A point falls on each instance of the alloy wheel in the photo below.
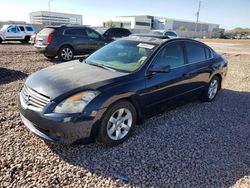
(213, 89)
(119, 124)
(67, 54)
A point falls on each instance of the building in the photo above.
(55, 18)
(159, 23)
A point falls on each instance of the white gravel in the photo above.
(195, 145)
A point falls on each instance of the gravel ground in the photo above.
(195, 145)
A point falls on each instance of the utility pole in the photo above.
(49, 1)
(197, 16)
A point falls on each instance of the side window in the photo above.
(29, 28)
(75, 32)
(92, 34)
(21, 28)
(171, 54)
(13, 29)
(208, 53)
(195, 52)
(109, 33)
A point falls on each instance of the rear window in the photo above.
(195, 52)
(28, 28)
(47, 31)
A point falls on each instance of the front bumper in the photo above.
(62, 128)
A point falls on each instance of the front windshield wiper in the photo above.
(102, 66)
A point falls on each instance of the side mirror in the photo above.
(164, 69)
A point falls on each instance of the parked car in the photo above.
(115, 33)
(104, 96)
(33, 39)
(170, 34)
(68, 41)
(16, 32)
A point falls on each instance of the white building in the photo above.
(131, 22)
(159, 23)
(55, 18)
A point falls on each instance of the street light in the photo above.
(49, 1)
(197, 16)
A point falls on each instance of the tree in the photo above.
(110, 24)
(182, 28)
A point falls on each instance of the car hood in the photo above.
(69, 78)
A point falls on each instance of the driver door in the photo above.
(163, 87)
(13, 32)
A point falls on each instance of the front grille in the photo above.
(32, 99)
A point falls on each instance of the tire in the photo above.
(211, 90)
(26, 40)
(1, 40)
(117, 124)
(66, 53)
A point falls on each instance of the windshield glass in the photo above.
(122, 55)
(4, 27)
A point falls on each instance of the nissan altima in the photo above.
(104, 96)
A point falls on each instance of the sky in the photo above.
(228, 13)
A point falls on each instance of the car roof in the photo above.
(158, 39)
(149, 38)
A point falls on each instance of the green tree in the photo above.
(182, 28)
(110, 24)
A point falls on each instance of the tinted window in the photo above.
(109, 33)
(92, 34)
(171, 55)
(21, 28)
(28, 28)
(172, 34)
(195, 52)
(208, 53)
(75, 32)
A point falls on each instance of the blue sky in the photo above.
(228, 13)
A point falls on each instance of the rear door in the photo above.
(199, 58)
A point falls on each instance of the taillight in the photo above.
(49, 39)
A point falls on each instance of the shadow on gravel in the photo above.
(8, 75)
(195, 145)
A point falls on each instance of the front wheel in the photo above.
(117, 123)
(211, 90)
(66, 53)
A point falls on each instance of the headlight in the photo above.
(76, 103)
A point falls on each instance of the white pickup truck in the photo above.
(16, 32)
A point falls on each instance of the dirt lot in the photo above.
(195, 145)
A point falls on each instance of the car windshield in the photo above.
(122, 55)
(4, 27)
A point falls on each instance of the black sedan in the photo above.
(103, 97)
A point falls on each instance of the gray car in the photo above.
(65, 42)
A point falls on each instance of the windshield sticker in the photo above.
(144, 45)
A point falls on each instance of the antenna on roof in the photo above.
(197, 15)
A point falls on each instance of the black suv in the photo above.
(65, 41)
(114, 33)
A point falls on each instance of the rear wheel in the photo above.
(1, 40)
(211, 90)
(66, 53)
(117, 123)
(26, 40)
